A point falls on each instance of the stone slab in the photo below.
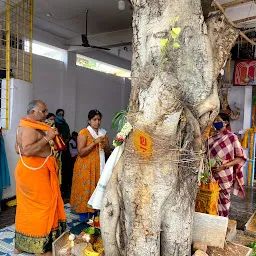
(200, 253)
(199, 246)
(210, 229)
(230, 249)
(231, 232)
(242, 238)
(250, 226)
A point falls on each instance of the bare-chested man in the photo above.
(40, 216)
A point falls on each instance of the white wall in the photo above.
(242, 95)
(48, 81)
(97, 90)
(21, 93)
(237, 94)
(48, 38)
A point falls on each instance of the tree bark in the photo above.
(149, 203)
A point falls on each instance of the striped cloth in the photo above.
(226, 146)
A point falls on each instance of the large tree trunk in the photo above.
(149, 203)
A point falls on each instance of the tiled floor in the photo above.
(7, 233)
(241, 211)
(7, 216)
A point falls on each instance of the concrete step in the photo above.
(242, 238)
(250, 226)
(209, 229)
(230, 249)
(231, 232)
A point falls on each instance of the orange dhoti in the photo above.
(40, 215)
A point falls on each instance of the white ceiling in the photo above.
(106, 24)
(241, 11)
(68, 17)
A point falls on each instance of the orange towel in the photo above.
(40, 215)
(59, 144)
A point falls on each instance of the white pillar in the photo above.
(21, 93)
(68, 94)
(247, 108)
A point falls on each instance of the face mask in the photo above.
(218, 125)
(60, 115)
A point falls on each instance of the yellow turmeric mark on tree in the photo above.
(142, 143)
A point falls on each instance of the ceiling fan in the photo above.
(85, 42)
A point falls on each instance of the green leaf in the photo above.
(176, 18)
(117, 118)
(165, 59)
(163, 42)
(121, 124)
(90, 230)
(176, 45)
(175, 32)
(211, 162)
(162, 50)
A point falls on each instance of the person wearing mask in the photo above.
(66, 168)
(62, 125)
(92, 144)
(225, 145)
(73, 152)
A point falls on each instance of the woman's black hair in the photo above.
(224, 117)
(74, 134)
(50, 115)
(59, 110)
(93, 113)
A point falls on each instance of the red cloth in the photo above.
(244, 73)
(226, 146)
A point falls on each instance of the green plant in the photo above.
(92, 231)
(206, 177)
(214, 163)
(173, 38)
(254, 100)
(119, 119)
(253, 246)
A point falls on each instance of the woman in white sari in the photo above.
(92, 144)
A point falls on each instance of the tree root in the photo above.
(110, 214)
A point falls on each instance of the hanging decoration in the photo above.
(245, 72)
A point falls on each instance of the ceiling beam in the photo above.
(244, 20)
(231, 4)
(239, 41)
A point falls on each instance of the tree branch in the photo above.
(192, 121)
(222, 36)
(233, 24)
